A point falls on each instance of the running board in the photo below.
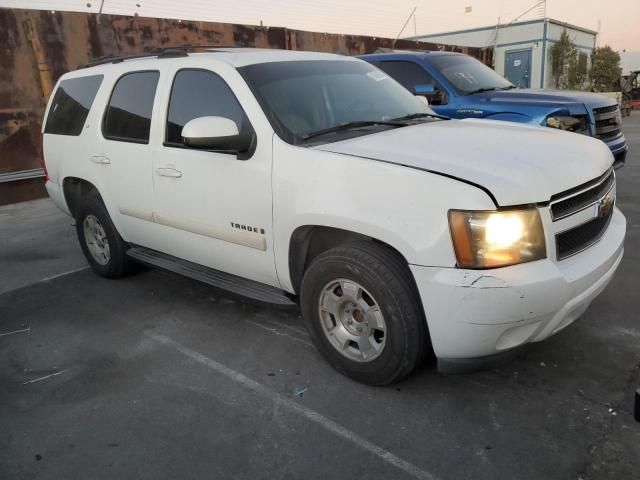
(225, 281)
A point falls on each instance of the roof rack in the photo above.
(167, 52)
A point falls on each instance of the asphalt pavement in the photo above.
(157, 376)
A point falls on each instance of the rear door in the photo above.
(124, 156)
(213, 208)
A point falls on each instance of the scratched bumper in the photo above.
(478, 313)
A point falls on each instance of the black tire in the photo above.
(383, 273)
(118, 265)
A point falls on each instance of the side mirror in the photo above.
(427, 89)
(215, 133)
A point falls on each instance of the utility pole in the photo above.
(495, 40)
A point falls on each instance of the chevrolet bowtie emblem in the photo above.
(605, 205)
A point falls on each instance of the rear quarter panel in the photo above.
(68, 155)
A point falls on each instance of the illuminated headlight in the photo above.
(492, 239)
(578, 124)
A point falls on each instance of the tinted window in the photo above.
(71, 105)
(128, 115)
(199, 93)
(409, 74)
(304, 97)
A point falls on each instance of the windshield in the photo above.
(468, 75)
(302, 98)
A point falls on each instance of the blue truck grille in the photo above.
(608, 122)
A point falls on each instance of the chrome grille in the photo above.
(608, 121)
(592, 205)
(577, 239)
(579, 198)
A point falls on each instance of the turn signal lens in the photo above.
(496, 239)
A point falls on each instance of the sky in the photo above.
(617, 20)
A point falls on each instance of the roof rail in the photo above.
(401, 50)
(166, 52)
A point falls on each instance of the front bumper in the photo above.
(474, 314)
(618, 147)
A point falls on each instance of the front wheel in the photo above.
(362, 311)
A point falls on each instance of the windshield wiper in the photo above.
(483, 89)
(411, 116)
(349, 126)
(490, 89)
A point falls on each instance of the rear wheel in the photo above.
(362, 312)
(101, 243)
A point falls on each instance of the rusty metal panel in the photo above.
(38, 46)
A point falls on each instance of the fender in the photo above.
(405, 208)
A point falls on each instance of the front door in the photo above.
(517, 67)
(213, 208)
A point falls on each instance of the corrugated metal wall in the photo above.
(36, 47)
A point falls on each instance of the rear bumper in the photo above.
(475, 314)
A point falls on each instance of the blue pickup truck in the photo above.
(460, 86)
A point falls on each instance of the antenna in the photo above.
(404, 26)
(543, 2)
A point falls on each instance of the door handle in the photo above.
(169, 172)
(100, 160)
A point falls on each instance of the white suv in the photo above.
(289, 176)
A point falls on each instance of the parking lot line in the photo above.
(69, 272)
(275, 331)
(301, 410)
(14, 332)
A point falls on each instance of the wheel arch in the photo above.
(74, 188)
(309, 241)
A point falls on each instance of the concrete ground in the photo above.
(157, 376)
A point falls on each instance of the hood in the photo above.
(518, 164)
(549, 98)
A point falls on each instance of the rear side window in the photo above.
(71, 104)
(408, 74)
(200, 93)
(128, 115)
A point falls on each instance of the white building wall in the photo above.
(486, 37)
(581, 39)
(480, 38)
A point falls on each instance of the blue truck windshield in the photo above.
(467, 75)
